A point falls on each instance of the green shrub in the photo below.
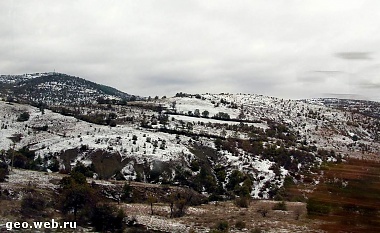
(315, 207)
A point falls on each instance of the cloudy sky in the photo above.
(282, 48)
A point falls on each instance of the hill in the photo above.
(223, 146)
(57, 89)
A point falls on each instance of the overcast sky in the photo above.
(287, 49)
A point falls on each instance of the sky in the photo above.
(283, 48)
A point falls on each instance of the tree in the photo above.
(173, 105)
(10, 99)
(105, 218)
(241, 115)
(197, 113)
(4, 170)
(81, 168)
(222, 116)
(179, 202)
(205, 113)
(76, 195)
(54, 165)
(126, 192)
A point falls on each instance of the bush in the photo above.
(256, 230)
(221, 226)
(242, 202)
(105, 218)
(280, 206)
(32, 205)
(240, 224)
(315, 207)
(23, 116)
(81, 168)
(263, 210)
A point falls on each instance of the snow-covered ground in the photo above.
(314, 124)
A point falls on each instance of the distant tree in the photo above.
(241, 115)
(205, 113)
(222, 116)
(164, 119)
(10, 99)
(123, 102)
(174, 105)
(112, 123)
(101, 100)
(197, 113)
(126, 192)
(132, 98)
(54, 165)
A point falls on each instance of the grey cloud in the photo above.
(328, 72)
(370, 85)
(162, 47)
(354, 55)
(318, 76)
(345, 96)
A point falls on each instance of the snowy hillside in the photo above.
(57, 89)
(315, 124)
(213, 143)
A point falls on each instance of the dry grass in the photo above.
(9, 209)
(352, 193)
(205, 217)
(251, 216)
